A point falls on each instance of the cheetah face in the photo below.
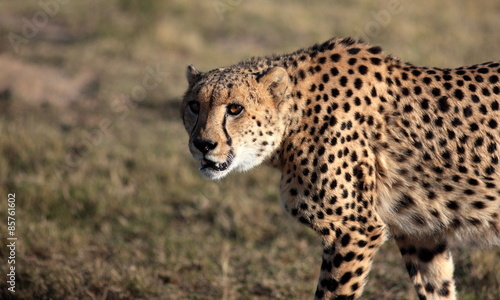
(233, 118)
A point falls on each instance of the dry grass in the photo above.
(110, 205)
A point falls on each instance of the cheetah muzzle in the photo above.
(216, 166)
(369, 148)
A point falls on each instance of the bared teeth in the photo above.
(216, 166)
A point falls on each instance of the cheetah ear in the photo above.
(192, 74)
(277, 81)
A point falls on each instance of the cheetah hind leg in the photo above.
(430, 266)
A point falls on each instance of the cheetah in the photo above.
(369, 148)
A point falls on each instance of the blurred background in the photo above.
(110, 204)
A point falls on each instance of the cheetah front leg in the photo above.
(430, 266)
(347, 257)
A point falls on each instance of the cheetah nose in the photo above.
(204, 146)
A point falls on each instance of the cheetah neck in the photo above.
(311, 87)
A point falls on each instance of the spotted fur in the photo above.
(369, 147)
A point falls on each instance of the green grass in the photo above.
(124, 214)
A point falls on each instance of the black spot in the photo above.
(451, 134)
(375, 60)
(459, 94)
(322, 60)
(478, 204)
(330, 284)
(456, 122)
(314, 177)
(335, 57)
(453, 205)
(417, 90)
(446, 155)
(429, 135)
(335, 92)
(427, 156)
(334, 71)
(447, 77)
(362, 244)
(444, 290)
(492, 147)
(317, 108)
(347, 107)
(346, 238)
(425, 255)
(375, 50)
(302, 74)
(337, 260)
(424, 104)
(483, 109)
(467, 111)
(343, 81)
(362, 69)
(354, 157)
(493, 124)
(353, 50)
(354, 287)
(474, 221)
(408, 108)
(429, 288)
(405, 91)
(483, 70)
(473, 181)
(349, 256)
(326, 266)
(412, 269)
(345, 278)
(358, 83)
(436, 92)
(325, 78)
(352, 61)
(469, 192)
(489, 170)
(348, 177)
(319, 294)
(439, 122)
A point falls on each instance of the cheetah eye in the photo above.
(234, 109)
(194, 106)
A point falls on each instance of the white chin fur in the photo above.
(214, 175)
(244, 160)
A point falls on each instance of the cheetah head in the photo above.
(234, 117)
